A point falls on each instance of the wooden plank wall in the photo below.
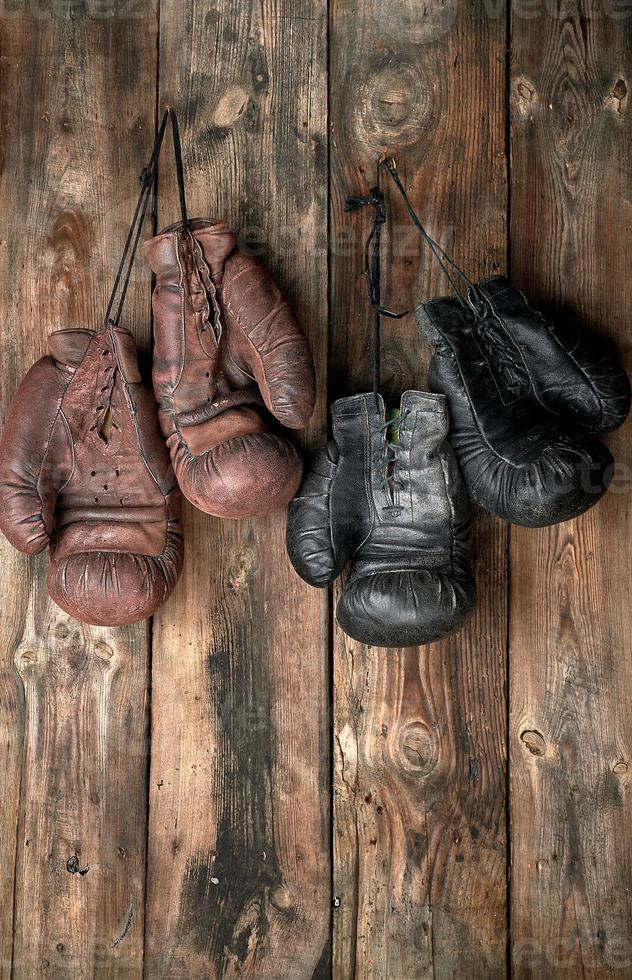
(239, 802)
(419, 751)
(76, 121)
(570, 643)
(237, 789)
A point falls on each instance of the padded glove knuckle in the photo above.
(246, 475)
(574, 373)
(115, 588)
(405, 608)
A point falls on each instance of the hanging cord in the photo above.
(472, 297)
(177, 149)
(375, 199)
(147, 180)
(390, 483)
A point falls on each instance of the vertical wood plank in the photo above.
(239, 787)
(419, 791)
(571, 622)
(76, 117)
(11, 744)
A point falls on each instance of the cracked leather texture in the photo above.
(231, 366)
(407, 540)
(524, 400)
(572, 371)
(84, 471)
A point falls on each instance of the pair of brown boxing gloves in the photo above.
(84, 467)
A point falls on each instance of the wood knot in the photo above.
(524, 97)
(620, 91)
(393, 105)
(230, 107)
(25, 661)
(104, 652)
(73, 867)
(417, 749)
(242, 568)
(70, 235)
(534, 742)
(64, 634)
(620, 767)
(617, 98)
(281, 899)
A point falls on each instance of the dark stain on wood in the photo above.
(237, 887)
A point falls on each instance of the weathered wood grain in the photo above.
(239, 811)
(419, 800)
(75, 121)
(239, 828)
(12, 732)
(571, 622)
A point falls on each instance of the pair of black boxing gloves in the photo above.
(521, 401)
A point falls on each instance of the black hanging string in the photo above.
(147, 180)
(442, 257)
(177, 148)
(375, 199)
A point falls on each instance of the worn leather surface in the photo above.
(502, 374)
(406, 535)
(573, 372)
(230, 364)
(84, 471)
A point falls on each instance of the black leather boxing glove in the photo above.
(387, 496)
(574, 373)
(518, 459)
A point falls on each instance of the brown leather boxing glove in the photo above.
(84, 470)
(229, 360)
